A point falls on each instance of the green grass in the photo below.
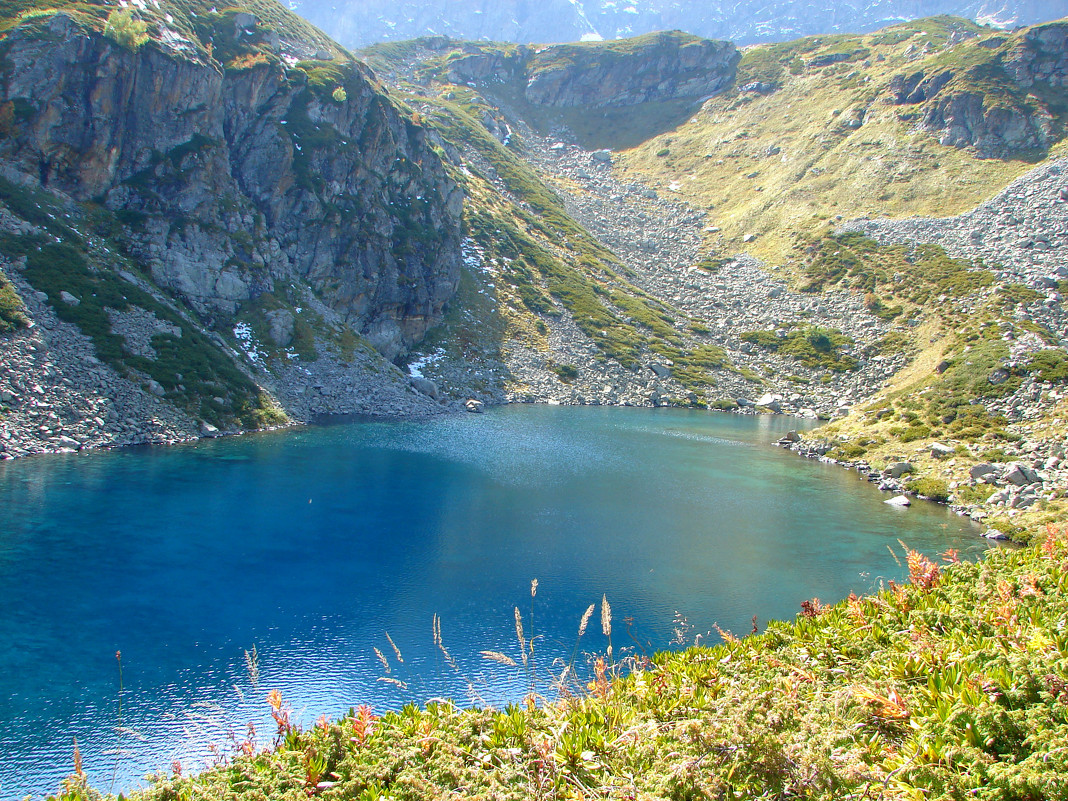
(207, 26)
(566, 372)
(932, 488)
(951, 686)
(917, 274)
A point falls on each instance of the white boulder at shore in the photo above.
(899, 500)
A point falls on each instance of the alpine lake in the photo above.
(152, 597)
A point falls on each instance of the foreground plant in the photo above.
(952, 686)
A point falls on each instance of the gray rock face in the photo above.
(898, 469)
(426, 386)
(243, 177)
(282, 325)
(656, 67)
(941, 451)
(1021, 475)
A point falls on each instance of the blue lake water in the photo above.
(310, 545)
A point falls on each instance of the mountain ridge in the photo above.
(359, 23)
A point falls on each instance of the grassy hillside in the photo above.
(810, 133)
(952, 686)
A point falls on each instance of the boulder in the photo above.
(281, 326)
(207, 429)
(981, 471)
(1021, 475)
(68, 298)
(660, 370)
(602, 156)
(994, 534)
(898, 469)
(425, 386)
(998, 497)
(900, 501)
(474, 406)
(769, 401)
(940, 450)
(791, 436)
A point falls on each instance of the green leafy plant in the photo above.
(12, 312)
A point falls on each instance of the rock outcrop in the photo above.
(995, 96)
(235, 177)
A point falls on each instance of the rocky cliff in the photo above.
(652, 68)
(655, 67)
(241, 175)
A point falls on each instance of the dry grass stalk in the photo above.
(396, 650)
(497, 656)
(586, 619)
(519, 635)
(385, 662)
(252, 666)
(441, 645)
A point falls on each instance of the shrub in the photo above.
(123, 28)
(933, 488)
(566, 372)
(12, 312)
(1049, 365)
(339, 94)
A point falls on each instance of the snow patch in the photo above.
(415, 368)
(246, 340)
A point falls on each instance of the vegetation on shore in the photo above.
(974, 345)
(952, 686)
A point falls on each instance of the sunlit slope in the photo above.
(818, 129)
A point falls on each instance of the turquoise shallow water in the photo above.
(310, 545)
